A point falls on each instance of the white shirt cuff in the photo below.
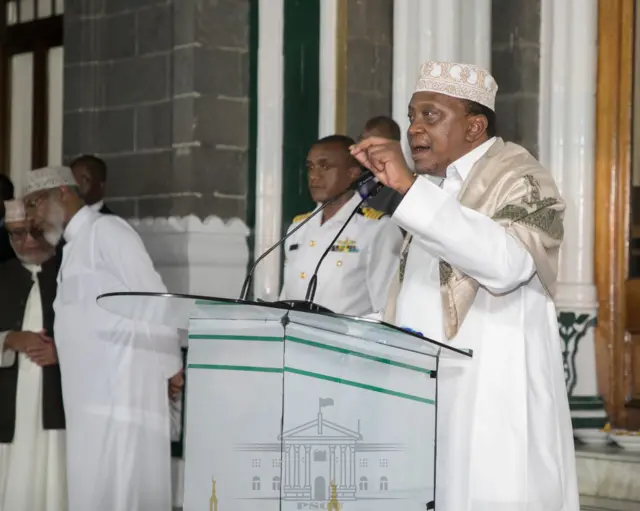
(420, 205)
(7, 357)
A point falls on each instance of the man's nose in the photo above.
(29, 241)
(416, 128)
(314, 176)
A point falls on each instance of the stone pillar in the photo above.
(567, 136)
(355, 64)
(146, 83)
(270, 83)
(369, 50)
(458, 30)
(515, 54)
(160, 90)
(329, 61)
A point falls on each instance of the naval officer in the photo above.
(355, 276)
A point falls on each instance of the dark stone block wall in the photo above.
(515, 64)
(160, 90)
(369, 58)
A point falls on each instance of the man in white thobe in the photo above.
(32, 437)
(478, 271)
(114, 370)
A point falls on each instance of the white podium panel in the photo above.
(292, 417)
(294, 409)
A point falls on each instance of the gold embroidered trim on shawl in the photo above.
(446, 272)
(535, 211)
(531, 210)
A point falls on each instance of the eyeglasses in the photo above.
(36, 201)
(21, 234)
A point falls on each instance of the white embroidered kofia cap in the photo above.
(14, 211)
(48, 178)
(464, 81)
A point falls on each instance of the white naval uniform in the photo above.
(355, 276)
(114, 372)
(505, 441)
(33, 466)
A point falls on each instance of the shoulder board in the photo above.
(372, 214)
(302, 217)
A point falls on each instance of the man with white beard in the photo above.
(114, 370)
(32, 437)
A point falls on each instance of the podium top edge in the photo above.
(200, 300)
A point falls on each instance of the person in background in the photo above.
(381, 126)
(115, 371)
(354, 278)
(479, 272)
(32, 421)
(387, 199)
(6, 193)
(91, 175)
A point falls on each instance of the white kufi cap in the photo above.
(48, 178)
(464, 81)
(14, 211)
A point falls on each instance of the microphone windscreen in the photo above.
(368, 185)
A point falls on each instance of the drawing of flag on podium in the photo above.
(325, 401)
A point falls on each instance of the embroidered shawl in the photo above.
(510, 186)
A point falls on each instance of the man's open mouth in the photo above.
(420, 149)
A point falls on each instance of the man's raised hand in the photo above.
(386, 160)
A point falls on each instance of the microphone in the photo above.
(313, 283)
(368, 185)
(363, 182)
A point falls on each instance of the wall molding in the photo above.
(205, 257)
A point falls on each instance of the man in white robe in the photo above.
(114, 370)
(32, 437)
(478, 271)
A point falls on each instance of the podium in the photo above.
(291, 410)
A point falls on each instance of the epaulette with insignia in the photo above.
(302, 217)
(372, 214)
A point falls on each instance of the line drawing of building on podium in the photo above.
(317, 453)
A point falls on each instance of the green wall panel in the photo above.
(301, 101)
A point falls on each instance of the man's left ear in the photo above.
(477, 127)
